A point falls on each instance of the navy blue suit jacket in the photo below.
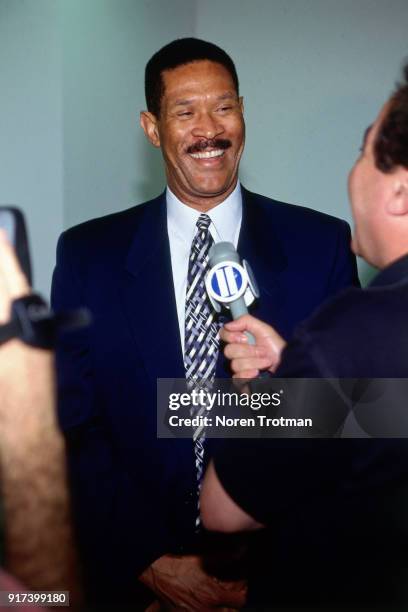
(134, 494)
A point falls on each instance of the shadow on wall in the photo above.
(151, 179)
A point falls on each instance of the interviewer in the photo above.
(337, 519)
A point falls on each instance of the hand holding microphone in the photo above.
(248, 361)
(232, 285)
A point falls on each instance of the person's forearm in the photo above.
(38, 533)
(39, 539)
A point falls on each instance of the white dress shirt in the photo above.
(225, 224)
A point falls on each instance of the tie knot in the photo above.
(203, 222)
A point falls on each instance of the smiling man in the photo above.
(200, 128)
(141, 273)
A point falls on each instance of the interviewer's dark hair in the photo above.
(177, 53)
(391, 143)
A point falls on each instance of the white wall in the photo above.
(71, 88)
(108, 163)
(31, 124)
(313, 74)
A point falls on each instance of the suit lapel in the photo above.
(148, 295)
(260, 245)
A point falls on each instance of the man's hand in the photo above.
(248, 360)
(182, 583)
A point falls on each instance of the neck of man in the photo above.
(203, 203)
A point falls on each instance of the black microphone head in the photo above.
(223, 251)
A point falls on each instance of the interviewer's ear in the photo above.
(148, 122)
(398, 203)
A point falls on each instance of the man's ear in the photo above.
(149, 122)
(241, 104)
(398, 202)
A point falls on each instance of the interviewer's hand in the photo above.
(180, 583)
(248, 360)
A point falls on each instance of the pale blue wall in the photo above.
(313, 74)
(108, 163)
(71, 88)
(31, 124)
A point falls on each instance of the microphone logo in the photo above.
(226, 281)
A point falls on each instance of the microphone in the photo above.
(229, 282)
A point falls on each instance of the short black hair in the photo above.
(391, 143)
(177, 53)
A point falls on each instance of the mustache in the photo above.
(213, 143)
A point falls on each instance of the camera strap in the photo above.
(35, 324)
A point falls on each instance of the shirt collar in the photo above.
(396, 272)
(225, 217)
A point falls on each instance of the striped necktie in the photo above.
(201, 332)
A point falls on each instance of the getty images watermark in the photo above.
(283, 408)
(200, 403)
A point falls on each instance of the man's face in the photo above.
(369, 190)
(201, 132)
